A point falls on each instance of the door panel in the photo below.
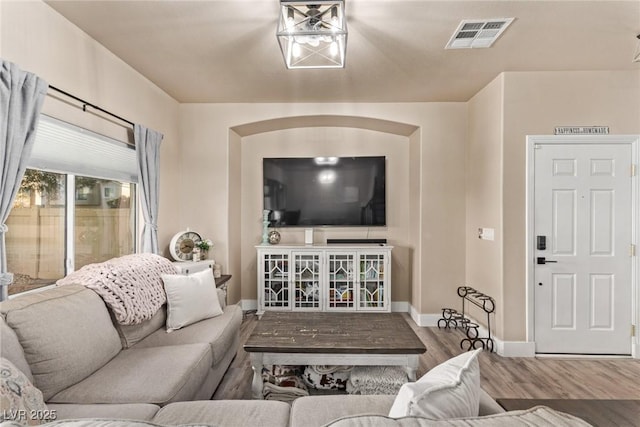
(602, 309)
(602, 208)
(564, 222)
(582, 204)
(564, 301)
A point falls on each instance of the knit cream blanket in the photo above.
(130, 285)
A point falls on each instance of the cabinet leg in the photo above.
(257, 384)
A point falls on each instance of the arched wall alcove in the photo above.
(324, 135)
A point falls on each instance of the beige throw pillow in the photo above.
(450, 390)
(190, 299)
(19, 399)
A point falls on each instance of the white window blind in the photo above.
(66, 148)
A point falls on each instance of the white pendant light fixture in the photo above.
(312, 34)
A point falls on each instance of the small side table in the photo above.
(222, 282)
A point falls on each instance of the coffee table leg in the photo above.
(256, 385)
(412, 367)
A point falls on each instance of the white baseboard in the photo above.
(248, 304)
(515, 348)
(424, 320)
(400, 306)
(508, 348)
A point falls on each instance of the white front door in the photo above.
(582, 228)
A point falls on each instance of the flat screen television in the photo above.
(325, 191)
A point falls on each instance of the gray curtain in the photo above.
(21, 98)
(148, 155)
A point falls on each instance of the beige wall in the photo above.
(535, 103)
(501, 116)
(234, 226)
(415, 219)
(328, 141)
(433, 155)
(484, 197)
(442, 208)
(464, 162)
(38, 39)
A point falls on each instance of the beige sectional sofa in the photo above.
(65, 341)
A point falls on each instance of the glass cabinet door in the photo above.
(341, 281)
(371, 289)
(306, 281)
(276, 280)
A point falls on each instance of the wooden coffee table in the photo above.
(314, 338)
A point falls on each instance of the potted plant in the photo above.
(204, 246)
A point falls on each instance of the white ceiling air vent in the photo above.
(476, 33)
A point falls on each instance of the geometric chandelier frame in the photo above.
(312, 34)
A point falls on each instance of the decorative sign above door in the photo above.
(582, 130)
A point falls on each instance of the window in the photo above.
(63, 217)
(103, 226)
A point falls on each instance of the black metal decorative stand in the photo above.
(452, 318)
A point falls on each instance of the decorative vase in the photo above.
(274, 237)
(265, 226)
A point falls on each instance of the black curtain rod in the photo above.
(85, 104)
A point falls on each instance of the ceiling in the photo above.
(212, 51)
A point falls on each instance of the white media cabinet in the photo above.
(324, 277)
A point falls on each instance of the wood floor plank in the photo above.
(501, 377)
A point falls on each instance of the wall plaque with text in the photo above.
(582, 130)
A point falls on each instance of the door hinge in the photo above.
(633, 330)
(633, 169)
(632, 250)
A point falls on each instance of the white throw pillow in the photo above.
(190, 298)
(450, 390)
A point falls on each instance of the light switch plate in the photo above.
(486, 233)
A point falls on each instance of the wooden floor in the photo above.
(515, 378)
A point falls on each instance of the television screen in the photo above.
(340, 191)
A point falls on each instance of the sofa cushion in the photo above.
(539, 416)
(107, 422)
(12, 350)
(132, 334)
(236, 413)
(130, 411)
(190, 299)
(19, 399)
(157, 375)
(451, 389)
(311, 411)
(66, 334)
(219, 332)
